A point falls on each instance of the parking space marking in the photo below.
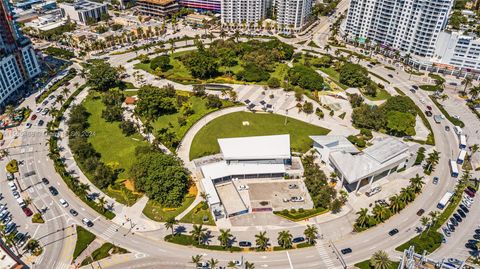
(289, 260)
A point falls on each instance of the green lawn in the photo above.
(187, 240)
(382, 94)
(198, 105)
(299, 216)
(156, 212)
(280, 72)
(334, 76)
(84, 238)
(107, 137)
(366, 265)
(196, 215)
(231, 125)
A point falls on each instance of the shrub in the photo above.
(12, 166)
(37, 218)
(162, 62)
(420, 156)
(128, 127)
(273, 82)
(213, 102)
(253, 73)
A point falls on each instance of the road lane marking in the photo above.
(289, 260)
(96, 218)
(60, 216)
(36, 230)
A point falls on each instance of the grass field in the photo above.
(107, 137)
(84, 238)
(334, 76)
(156, 212)
(382, 94)
(205, 142)
(198, 105)
(196, 215)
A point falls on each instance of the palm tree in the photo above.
(198, 233)
(363, 218)
(231, 264)
(285, 239)
(467, 82)
(249, 265)
(474, 92)
(66, 91)
(396, 204)
(474, 148)
(101, 203)
(432, 160)
(196, 259)
(10, 111)
(170, 223)
(261, 240)
(60, 99)
(417, 183)
(380, 213)
(425, 221)
(407, 194)
(380, 260)
(311, 233)
(327, 48)
(213, 263)
(204, 196)
(225, 237)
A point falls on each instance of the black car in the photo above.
(73, 212)
(454, 221)
(244, 244)
(297, 240)
(464, 208)
(471, 241)
(471, 246)
(45, 181)
(476, 236)
(420, 212)
(451, 227)
(477, 231)
(457, 217)
(415, 87)
(346, 251)
(393, 232)
(53, 190)
(40, 123)
(461, 213)
(428, 113)
(390, 75)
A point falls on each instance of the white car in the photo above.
(456, 117)
(63, 202)
(39, 109)
(237, 263)
(16, 194)
(12, 186)
(297, 199)
(243, 187)
(28, 126)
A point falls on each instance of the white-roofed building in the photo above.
(358, 168)
(259, 149)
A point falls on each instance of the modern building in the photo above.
(203, 5)
(454, 50)
(18, 62)
(83, 11)
(243, 158)
(356, 168)
(292, 15)
(158, 8)
(410, 26)
(243, 11)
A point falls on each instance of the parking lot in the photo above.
(278, 194)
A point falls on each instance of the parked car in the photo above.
(10, 176)
(476, 236)
(45, 111)
(63, 202)
(393, 232)
(471, 246)
(461, 213)
(39, 109)
(87, 222)
(292, 186)
(40, 123)
(373, 191)
(27, 211)
(472, 189)
(420, 212)
(428, 113)
(413, 90)
(53, 190)
(390, 75)
(16, 194)
(429, 107)
(297, 240)
(45, 181)
(243, 187)
(12, 186)
(435, 180)
(73, 212)
(415, 87)
(297, 199)
(45, 103)
(244, 244)
(469, 193)
(28, 125)
(346, 251)
(464, 208)
(447, 128)
(454, 221)
(477, 231)
(457, 217)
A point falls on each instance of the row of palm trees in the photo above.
(212, 263)
(398, 202)
(199, 235)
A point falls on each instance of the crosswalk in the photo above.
(110, 231)
(61, 265)
(325, 257)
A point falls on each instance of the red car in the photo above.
(429, 107)
(34, 116)
(27, 211)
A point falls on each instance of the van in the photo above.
(21, 202)
(457, 130)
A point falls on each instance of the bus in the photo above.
(461, 156)
(453, 169)
(463, 141)
(445, 200)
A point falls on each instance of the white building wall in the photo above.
(10, 77)
(30, 61)
(292, 13)
(411, 26)
(458, 50)
(243, 11)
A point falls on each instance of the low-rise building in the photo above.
(46, 22)
(158, 8)
(356, 168)
(83, 11)
(197, 19)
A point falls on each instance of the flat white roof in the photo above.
(335, 143)
(231, 200)
(222, 169)
(256, 147)
(386, 153)
(209, 188)
(462, 154)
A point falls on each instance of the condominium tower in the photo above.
(410, 26)
(18, 62)
(243, 11)
(292, 14)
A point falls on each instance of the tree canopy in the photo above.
(161, 177)
(305, 77)
(102, 76)
(154, 101)
(354, 75)
(162, 62)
